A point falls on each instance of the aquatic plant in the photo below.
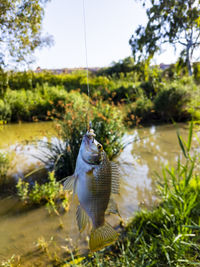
(4, 165)
(50, 193)
(107, 123)
(13, 261)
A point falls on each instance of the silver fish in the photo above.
(94, 180)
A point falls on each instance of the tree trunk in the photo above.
(188, 60)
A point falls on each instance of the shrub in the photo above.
(18, 101)
(4, 165)
(5, 111)
(170, 104)
(20, 80)
(3, 82)
(122, 94)
(196, 71)
(44, 103)
(106, 122)
(139, 111)
(51, 193)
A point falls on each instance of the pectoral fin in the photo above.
(82, 218)
(69, 183)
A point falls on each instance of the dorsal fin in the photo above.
(115, 178)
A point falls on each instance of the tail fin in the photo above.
(101, 237)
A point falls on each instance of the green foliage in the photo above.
(122, 66)
(174, 22)
(108, 126)
(171, 101)
(44, 96)
(20, 27)
(44, 103)
(4, 165)
(5, 111)
(196, 73)
(3, 82)
(51, 193)
(170, 104)
(139, 112)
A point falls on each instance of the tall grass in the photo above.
(5, 182)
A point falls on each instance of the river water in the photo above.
(21, 231)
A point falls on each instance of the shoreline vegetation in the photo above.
(122, 96)
(144, 94)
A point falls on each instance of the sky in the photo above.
(109, 26)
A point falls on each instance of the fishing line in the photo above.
(86, 61)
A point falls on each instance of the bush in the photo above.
(196, 71)
(51, 193)
(171, 104)
(4, 165)
(3, 82)
(44, 103)
(140, 111)
(106, 122)
(5, 112)
(122, 94)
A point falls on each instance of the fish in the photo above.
(95, 180)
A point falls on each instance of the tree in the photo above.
(20, 29)
(174, 22)
(122, 66)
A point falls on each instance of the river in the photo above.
(22, 231)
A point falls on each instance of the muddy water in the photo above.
(147, 151)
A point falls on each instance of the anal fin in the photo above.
(82, 218)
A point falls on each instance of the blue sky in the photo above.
(109, 26)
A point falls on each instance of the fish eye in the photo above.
(99, 146)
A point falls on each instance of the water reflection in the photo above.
(152, 148)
